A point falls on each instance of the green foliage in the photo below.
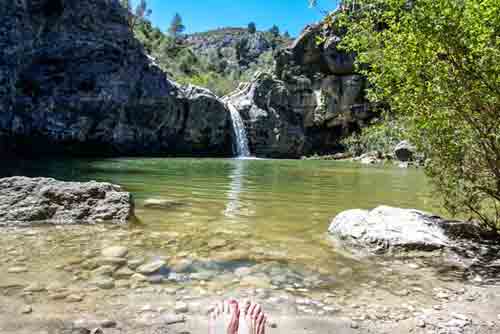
(219, 70)
(252, 28)
(437, 64)
(382, 136)
(137, 14)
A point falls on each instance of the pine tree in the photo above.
(275, 30)
(252, 28)
(176, 27)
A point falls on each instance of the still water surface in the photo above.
(259, 211)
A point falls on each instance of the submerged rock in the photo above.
(386, 228)
(166, 204)
(115, 251)
(151, 267)
(25, 201)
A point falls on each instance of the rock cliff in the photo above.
(73, 80)
(235, 49)
(311, 99)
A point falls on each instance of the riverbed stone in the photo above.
(90, 264)
(135, 263)
(25, 201)
(138, 278)
(114, 252)
(151, 267)
(114, 261)
(74, 298)
(27, 309)
(123, 272)
(386, 228)
(161, 203)
(181, 307)
(104, 283)
(105, 270)
(35, 287)
(17, 270)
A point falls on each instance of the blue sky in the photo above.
(202, 15)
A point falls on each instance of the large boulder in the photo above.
(74, 80)
(25, 201)
(386, 228)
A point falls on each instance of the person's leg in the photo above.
(224, 318)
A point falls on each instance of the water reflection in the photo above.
(234, 205)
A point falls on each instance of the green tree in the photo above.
(436, 63)
(137, 14)
(176, 26)
(252, 28)
(286, 34)
(275, 30)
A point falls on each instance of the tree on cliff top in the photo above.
(176, 26)
(275, 30)
(140, 13)
(252, 28)
(437, 64)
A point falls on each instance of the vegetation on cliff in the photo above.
(436, 63)
(219, 59)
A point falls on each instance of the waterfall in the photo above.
(240, 134)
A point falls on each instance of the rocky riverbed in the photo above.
(130, 280)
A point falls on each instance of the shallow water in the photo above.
(223, 214)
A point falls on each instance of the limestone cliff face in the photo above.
(73, 80)
(312, 99)
(235, 49)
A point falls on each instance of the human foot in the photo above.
(224, 318)
(252, 319)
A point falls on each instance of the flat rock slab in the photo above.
(386, 228)
(27, 201)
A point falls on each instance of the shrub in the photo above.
(437, 63)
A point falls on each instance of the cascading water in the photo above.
(240, 134)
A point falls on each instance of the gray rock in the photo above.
(151, 267)
(106, 270)
(73, 79)
(181, 307)
(25, 201)
(123, 273)
(108, 323)
(386, 228)
(404, 151)
(26, 309)
(115, 251)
